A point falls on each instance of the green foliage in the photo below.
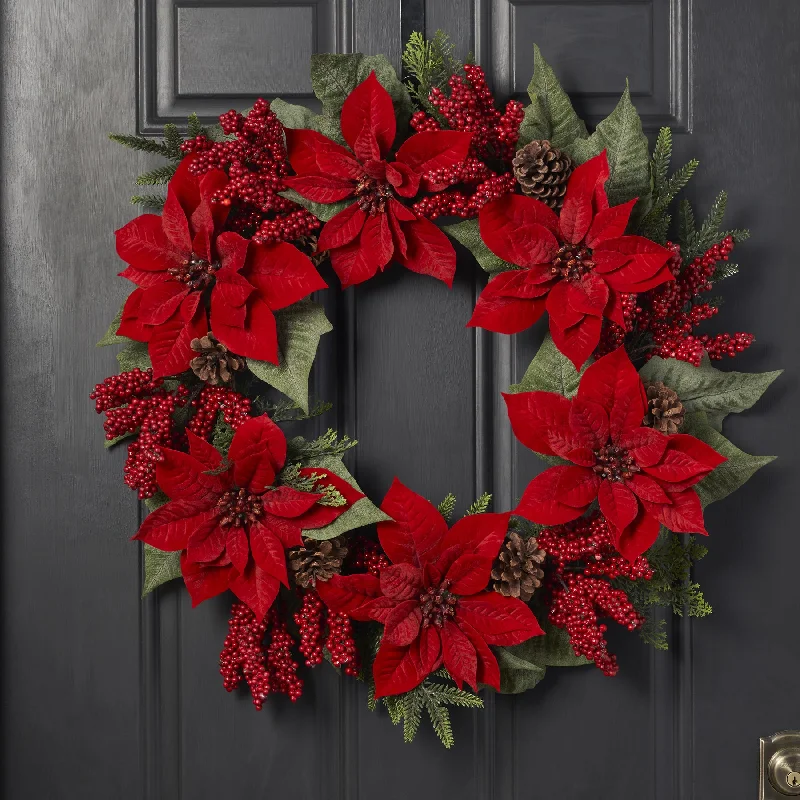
(144, 144)
(468, 234)
(329, 444)
(620, 135)
(665, 187)
(480, 506)
(156, 501)
(159, 567)
(322, 211)
(695, 242)
(447, 507)
(335, 75)
(730, 475)
(550, 114)
(149, 202)
(332, 497)
(285, 410)
(671, 587)
(429, 64)
(157, 177)
(707, 389)
(195, 128)
(293, 116)
(300, 327)
(550, 371)
(134, 356)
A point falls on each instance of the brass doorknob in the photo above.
(780, 765)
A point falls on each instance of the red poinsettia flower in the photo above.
(230, 523)
(432, 600)
(376, 228)
(641, 477)
(575, 265)
(188, 271)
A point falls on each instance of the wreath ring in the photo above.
(621, 399)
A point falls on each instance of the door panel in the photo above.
(109, 696)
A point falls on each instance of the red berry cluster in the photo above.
(210, 402)
(134, 402)
(584, 561)
(367, 556)
(470, 107)
(670, 313)
(256, 164)
(270, 671)
(311, 620)
(341, 644)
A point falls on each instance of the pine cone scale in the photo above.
(517, 570)
(665, 411)
(542, 172)
(317, 561)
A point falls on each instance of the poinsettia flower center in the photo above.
(438, 605)
(198, 273)
(614, 463)
(572, 262)
(372, 195)
(238, 507)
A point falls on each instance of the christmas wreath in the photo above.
(622, 401)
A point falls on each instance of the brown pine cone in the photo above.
(517, 569)
(317, 561)
(542, 172)
(664, 408)
(213, 364)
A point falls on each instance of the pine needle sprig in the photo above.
(447, 507)
(157, 177)
(429, 64)
(329, 444)
(694, 242)
(154, 202)
(480, 505)
(285, 410)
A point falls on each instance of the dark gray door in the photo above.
(108, 697)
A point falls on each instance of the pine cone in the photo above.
(517, 569)
(214, 364)
(542, 172)
(317, 561)
(664, 408)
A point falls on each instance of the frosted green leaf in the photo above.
(294, 116)
(299, 330)
(468, 234)
(322, 211)
(134, 356)
(159, 567)
(110, 336)
(550, 371)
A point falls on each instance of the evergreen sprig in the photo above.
(329, 444)
(286, 410)
(480, 505)
(447, 507)
(656, 222)
(671, 586)
(694, 242)
(331, 496)
(429, 64)
(154, 202)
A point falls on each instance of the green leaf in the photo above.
(299, 330)
(550, 114)
(152, 202)
(705, 388)
(294, 116)
(134, 356)
(620, 135)
(468, 234)
(362, 512)
(551, 650)
(111, 336)
(156, 501)
(335, 75)
(121, 438)
(731, 475)
(550, 371)
(517, 674)
(480, 506)
(157, 177)
(159, 567)
(322, 211)
(447, 506)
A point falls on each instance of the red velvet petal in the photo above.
(287, 531)
(284, 501)
(578, 342)
(258, 338)
(367, 121)
(160, 302)
(258, 452)
(319, 515)
(577, 211)
(397, 669)
(182, 477)
(646, 445)
(342, 229)
(639, 536)
(175, 221)
(232, 250)
(562, 314)
(350, 595)
(481, 534)
(684, 514)
(142, 244)
(207, 542)
(577, 486)
(185, 186)
(256, 588)
(588, 295)
(613, 382)
(495, 312)
(130, 325)
(644, 259)
(648, 489)
(171, 526)
(434, 150)
(502, 621)
(618, 503)
(321, 188)
(238, 549)
(268, 553)
(403, 623)
(231, 289)
(429, 251)
(685, 458)
(519, 230)
(203, 582)
(401, 581)
(204, 452)
(470, 574)
(460, 657)
(589, 422)
(541, 500)
(613, 309)
(144, 279)
(170, 346)
(488, 669)
(360, 260)
(534, 414)
(282, 274)
(610, 223)
(416, 530)
(311, 153)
